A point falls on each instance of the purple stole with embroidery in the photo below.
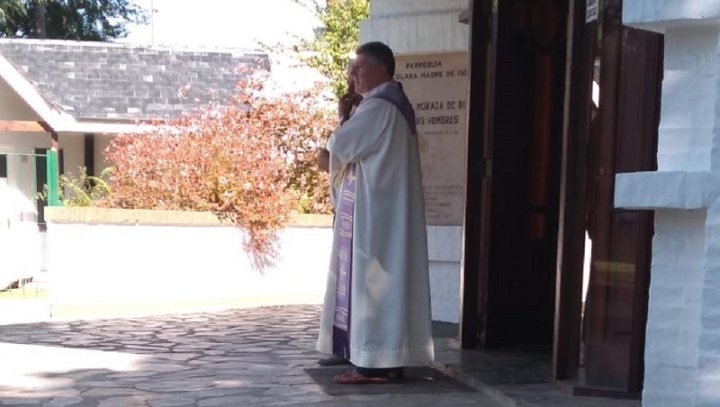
(346, 213)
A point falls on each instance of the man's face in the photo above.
(367, 74)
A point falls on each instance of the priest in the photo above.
(377, 303)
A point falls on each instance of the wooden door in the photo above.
(600, 348)
(616, 305)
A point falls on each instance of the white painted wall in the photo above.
(390, 8)
(12, 107)
(445, 253)
(73, 152)
(417, 26)
(673, 327)
(685, 139)
(21, 169)
(427, 26)
(658, 15)
(121, 264)
(682, 350)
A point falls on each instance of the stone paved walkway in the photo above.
(250, 357)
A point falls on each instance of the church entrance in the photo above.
(562, 97)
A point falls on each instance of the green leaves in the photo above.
(87, 20)
(11, 11)
(337, 39)
(81, 190)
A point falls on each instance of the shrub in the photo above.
(249, 162)
(80, 190)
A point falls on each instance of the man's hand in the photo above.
(323, 160)
(346, 103)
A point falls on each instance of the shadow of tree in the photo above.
(166, 360)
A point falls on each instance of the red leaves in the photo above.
(251, 162)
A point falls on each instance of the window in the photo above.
(3, 166)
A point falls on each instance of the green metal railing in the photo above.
(52, 173)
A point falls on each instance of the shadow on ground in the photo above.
(417, 380)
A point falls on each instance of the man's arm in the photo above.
(345, 106)
(361, 135)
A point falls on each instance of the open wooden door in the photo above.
(616, 304)
(600, 335)
(542, 160)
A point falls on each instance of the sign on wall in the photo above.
(437, 85)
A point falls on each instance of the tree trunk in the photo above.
(40, 23)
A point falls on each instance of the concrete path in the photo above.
(247, 357)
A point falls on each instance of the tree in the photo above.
(238, 161)
(87, 20)
(39, 18)
(10, 12)
(336, 39)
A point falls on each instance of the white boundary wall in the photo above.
(127, 262)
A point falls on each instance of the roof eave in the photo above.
(32, 96)
(102, 127)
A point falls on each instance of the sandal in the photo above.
(353, 377)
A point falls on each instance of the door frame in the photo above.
(476, 230)
(573, 198)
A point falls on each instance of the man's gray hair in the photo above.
(380, 53)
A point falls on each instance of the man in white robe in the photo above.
(378, 294)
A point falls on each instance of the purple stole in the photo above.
(346, 213)
(394, 94)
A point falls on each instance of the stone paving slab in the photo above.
(247, 357)
(515, 378)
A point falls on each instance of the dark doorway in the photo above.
(518, 291)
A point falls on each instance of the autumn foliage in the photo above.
(251, 162)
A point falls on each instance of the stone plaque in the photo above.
(437, 85)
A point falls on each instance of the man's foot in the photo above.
(353, 377)
(333, 361)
